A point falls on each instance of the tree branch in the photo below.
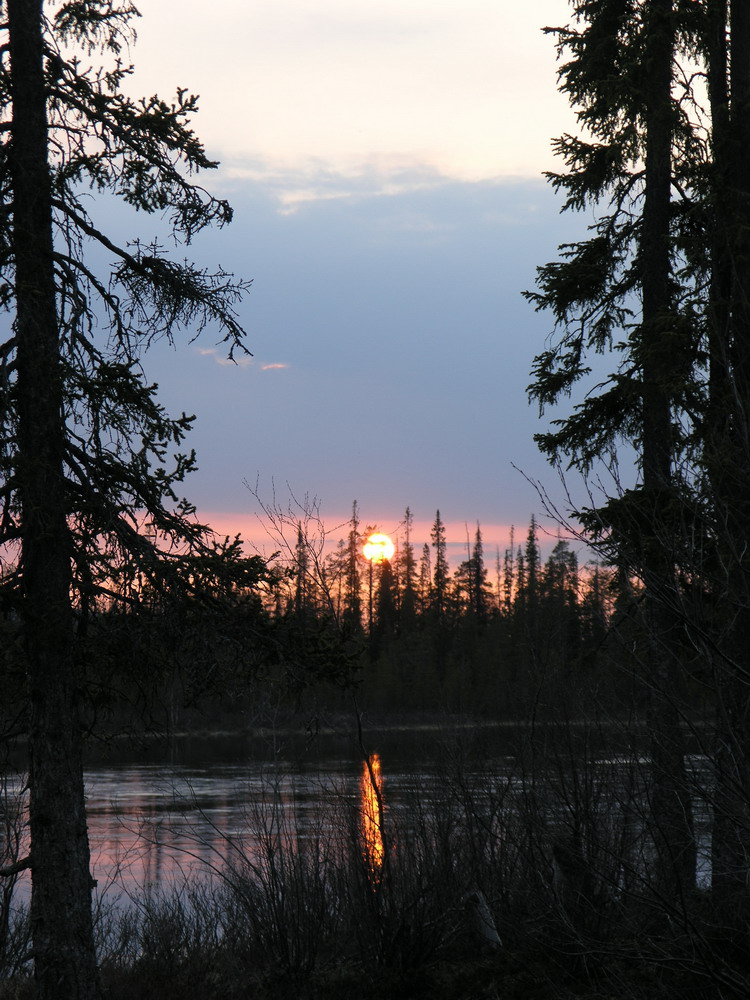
(14, 869)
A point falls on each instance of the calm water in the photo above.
(200, 802)
(158, 816)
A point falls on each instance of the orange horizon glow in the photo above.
(495, 535)
(329, 529)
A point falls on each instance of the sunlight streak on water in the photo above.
(372, 805)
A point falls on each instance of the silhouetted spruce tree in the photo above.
(559, 612)
(352, 614)
(88, 481)
(408, 578)
(301, 573)
(372, 580)
(336, 564)
(519, 602)
(620, 76)
(671, 796)
(509, 580)
(532, 573)
(384, 626)
(462, 591)
(481, 592)
(594, 612)
(473, 594)
(726, 435)
(425, 583)
(440, 573)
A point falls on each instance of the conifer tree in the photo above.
(532, 581)
(640, 147)
(385, 612)
(593, 611)
(440, 576)
(87, 478)
(425, 581)
(726, 443)
(480, 590)
(408, 572)
(352, 616)
(519, 602)
(301, 573)
(560, 611)
(509, 580)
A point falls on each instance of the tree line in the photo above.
(317, 623)
(492, 635)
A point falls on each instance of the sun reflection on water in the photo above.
(371, 798)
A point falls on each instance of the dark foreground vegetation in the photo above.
(553, 852)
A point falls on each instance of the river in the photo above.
(162, 814)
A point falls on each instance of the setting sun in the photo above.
(379, 548)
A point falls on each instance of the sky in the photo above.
(384, 160)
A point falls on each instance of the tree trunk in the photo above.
(65, 964)
(671, 813)
(730, 459)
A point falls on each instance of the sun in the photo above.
(379, 548)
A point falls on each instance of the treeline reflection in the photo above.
(152, 828)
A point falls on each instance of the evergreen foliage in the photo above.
(90, 462)
(661, 290)
(546, 630)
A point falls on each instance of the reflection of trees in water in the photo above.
(143, 826)
(150, 829)
(14, 846)
(149, 832)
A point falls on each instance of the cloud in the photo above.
(469, 88)
(238, 362)
(294, 187)
(221, 359)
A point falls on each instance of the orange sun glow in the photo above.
(378, 548)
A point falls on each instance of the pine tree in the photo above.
(440, 576)
(88, 484)
(622, 79)
(408, 572)
(352, 616)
